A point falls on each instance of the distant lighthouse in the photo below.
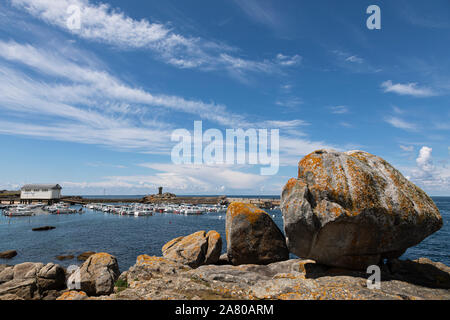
(160, 190)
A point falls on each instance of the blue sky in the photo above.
(94, 108)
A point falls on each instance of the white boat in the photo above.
(18, 212)
(60, 209)
(140, 213)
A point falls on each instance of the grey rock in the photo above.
(195, 249)
(97, 275)
(148, 267)
(252, 236)
(352, 209)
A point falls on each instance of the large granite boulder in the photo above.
(352, 209)
(194, 250)
(252, 236)
(96, 276)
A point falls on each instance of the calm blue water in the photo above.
(127, 237)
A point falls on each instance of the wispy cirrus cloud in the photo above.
(407, 148)
(289, 102)
(77, 102)
(410, 89)
(285, 60)
(355, 59)
(101, 23)
(260, 12)
(87, 83)
(353, 62)
(400, 123)
(339, 109)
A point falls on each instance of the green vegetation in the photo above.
(121, 285)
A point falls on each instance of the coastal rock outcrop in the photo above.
(352, 209)
(252, 236)
(194, 250)
(30, 280)
(96, 275)
(148, 267)
(294, 279)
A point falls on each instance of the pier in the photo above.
(263, 203)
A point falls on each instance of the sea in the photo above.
(126, 237)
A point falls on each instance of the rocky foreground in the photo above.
(345, 212)
(156, 278)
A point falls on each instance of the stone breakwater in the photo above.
(343, 213)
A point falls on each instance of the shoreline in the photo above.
(158, 278)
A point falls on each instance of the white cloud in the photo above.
(354, 59)
(345, 124)
(77, 102)
(285, 124)
(411, 89)
(339, 109)
(433, 178)
(101, 23)
(401, 124)
(288, 60)
(293, 149)
(291, 102)
(424, 159)
(354, 63)
(181, 178)
(407, 148)
(89, 84)
(260, 12)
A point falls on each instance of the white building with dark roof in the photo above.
(40, 192)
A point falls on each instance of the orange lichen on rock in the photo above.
(100, 258)
(251, 212)
(290, 184)
(145, 260)
(348, 208)
(73, 295)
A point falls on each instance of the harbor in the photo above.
(51, 194)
